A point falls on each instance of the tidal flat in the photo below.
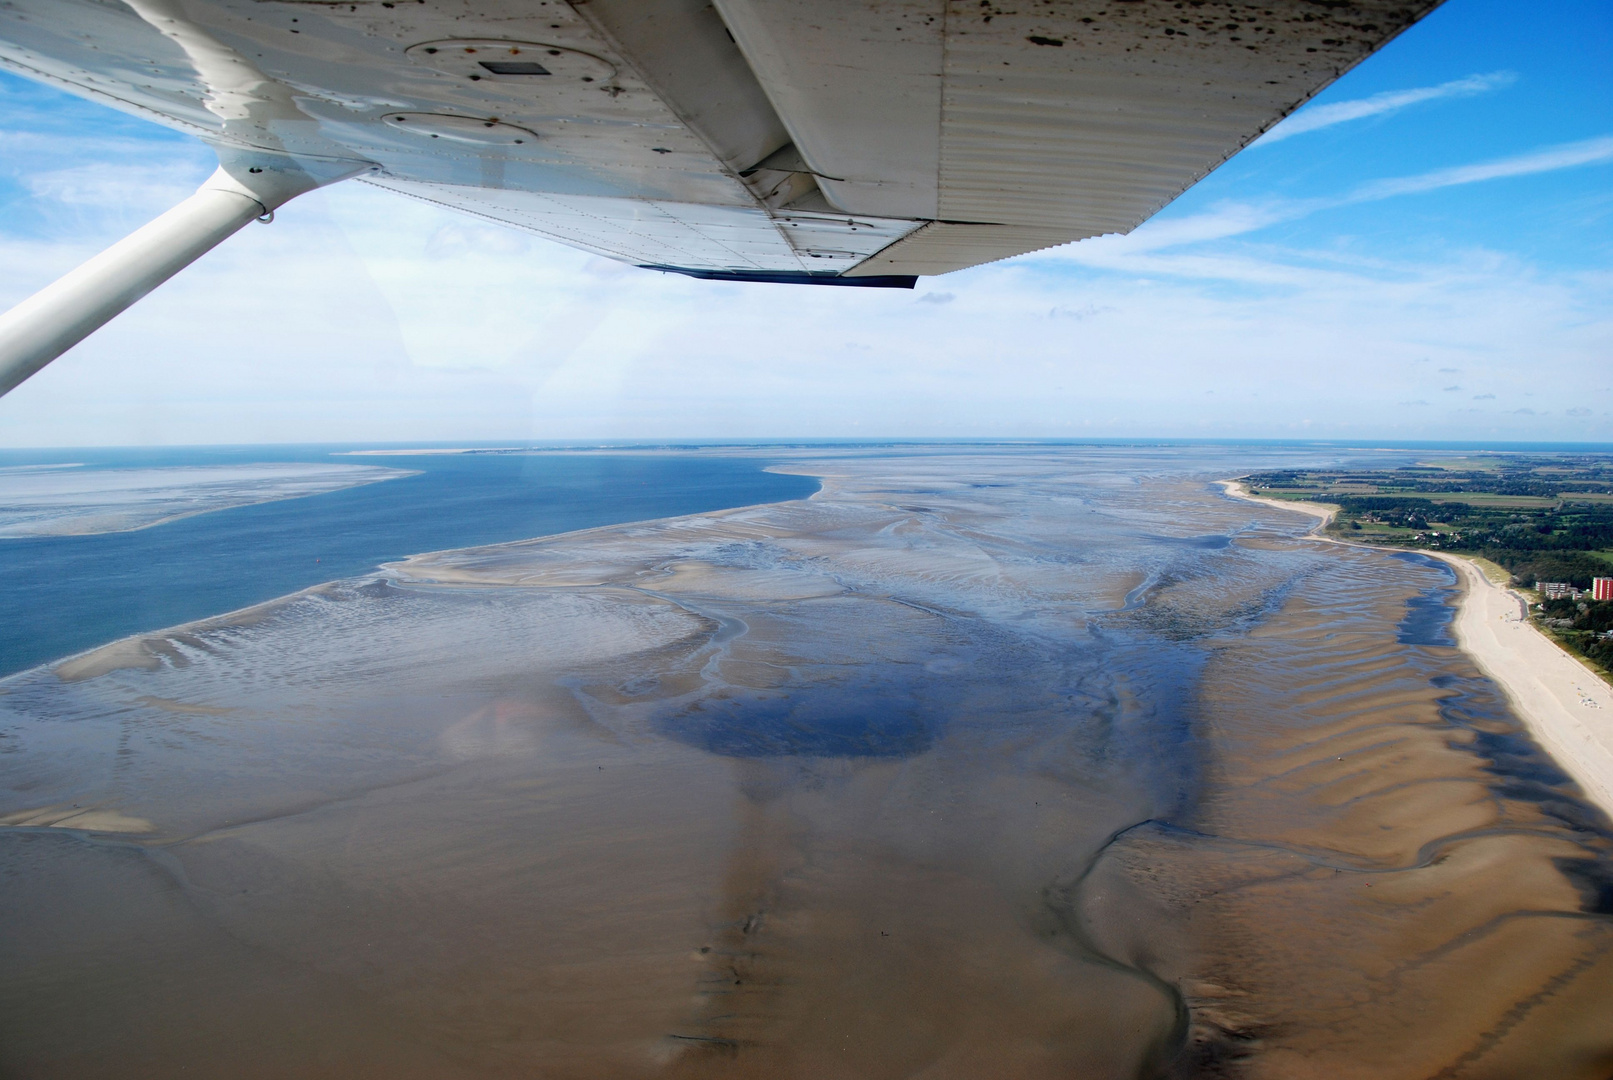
(70, 500)
(1038, 762)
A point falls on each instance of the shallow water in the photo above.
(1015, 763)
(62, 594)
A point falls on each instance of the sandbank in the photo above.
(434, 450)
(1565, 706)
(56, 500)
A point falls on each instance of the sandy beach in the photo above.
(1567, 708)
(1321, 511)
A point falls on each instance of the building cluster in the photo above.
(1601, 589)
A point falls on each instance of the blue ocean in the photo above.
(62, 595)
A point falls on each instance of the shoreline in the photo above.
(1564, 705)
(126, 651)
(64, 651)
(188, 509)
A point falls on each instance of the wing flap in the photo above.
(1064, 118)
(673, 235)
(944, 246)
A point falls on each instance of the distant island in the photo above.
(1544, 522)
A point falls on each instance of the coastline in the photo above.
(140, 581)
(1565, 706)
(111, 515)
(1322, 511)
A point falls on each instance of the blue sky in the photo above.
(1421, 253)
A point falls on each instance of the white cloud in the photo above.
(102, 183)
(92, 191)
(1552, 158)
(360, 315)
(1317, 117)
(1137, 252)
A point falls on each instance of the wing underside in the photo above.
(752, 139)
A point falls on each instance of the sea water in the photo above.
(62, 594)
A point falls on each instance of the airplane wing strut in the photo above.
(62, 314)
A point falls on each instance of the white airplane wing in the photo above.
(845, 142)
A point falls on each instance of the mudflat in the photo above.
(1022, 763)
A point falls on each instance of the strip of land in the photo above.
(1566, 707)
(434, 450)
(1323, 512)
(51, 500)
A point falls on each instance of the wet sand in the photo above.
(1567, 708)
(1022, 764)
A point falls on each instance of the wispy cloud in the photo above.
(1316, 117)
(1139, 251)
(1564, 156)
